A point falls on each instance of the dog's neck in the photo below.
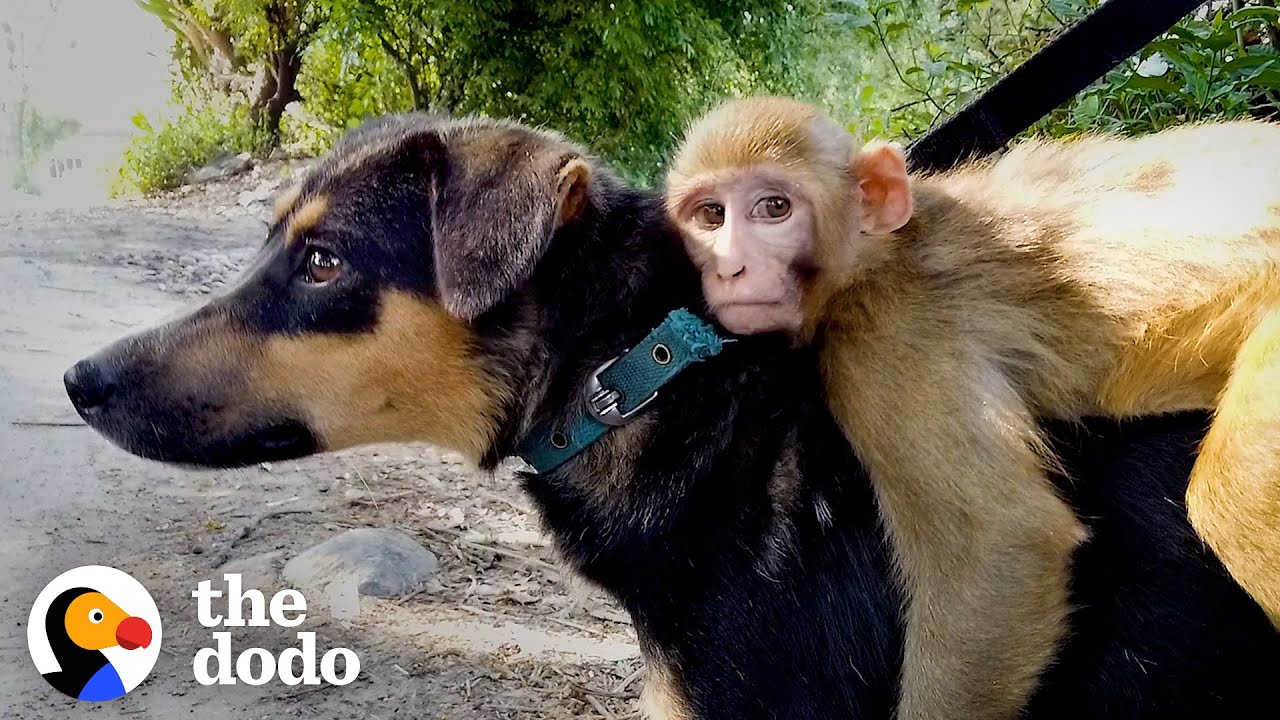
(731, 519)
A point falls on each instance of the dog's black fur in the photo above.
(732, 520)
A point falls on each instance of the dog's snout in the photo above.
(90, 384)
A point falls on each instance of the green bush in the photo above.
(626, 77)
(1199, 71)
(161, 157)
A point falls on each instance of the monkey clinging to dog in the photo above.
(1099, 276)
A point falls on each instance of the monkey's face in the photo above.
(751, 233)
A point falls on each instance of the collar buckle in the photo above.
(605, 403)
(678, 342)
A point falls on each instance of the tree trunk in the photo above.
(288, 63)
(266, 91)
(405, 61)
(415, 89)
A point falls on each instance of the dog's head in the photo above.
(362, 319)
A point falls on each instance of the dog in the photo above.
(460, 282)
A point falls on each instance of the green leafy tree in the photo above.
(897, 67)
(1221, 62)
(252, 48)
(915, 62)
(625, 75)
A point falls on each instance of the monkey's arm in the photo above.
(981, 537)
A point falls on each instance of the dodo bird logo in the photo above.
(94, 633)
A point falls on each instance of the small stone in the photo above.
(522, 597)
(377, 562)
(448, 519)
(221, 166)
(522, 538)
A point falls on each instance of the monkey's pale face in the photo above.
(752, 235)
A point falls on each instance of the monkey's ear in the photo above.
(880, 171)
(493, 220)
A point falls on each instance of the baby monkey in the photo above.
(1098, 276)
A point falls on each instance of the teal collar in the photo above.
(619, 389)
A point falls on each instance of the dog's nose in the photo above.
(89, 385)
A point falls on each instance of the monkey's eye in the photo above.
(774, 207)
(322, 265)
(709, 215)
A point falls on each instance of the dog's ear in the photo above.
(497, 204)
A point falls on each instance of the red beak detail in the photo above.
(133, 633)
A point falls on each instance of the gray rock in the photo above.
(377, 562)
(223, 165)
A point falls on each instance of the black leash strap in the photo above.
(1103, 39)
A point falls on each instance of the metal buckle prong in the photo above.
(603, 402)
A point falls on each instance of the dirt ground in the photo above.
(506, 632)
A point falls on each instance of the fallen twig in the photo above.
(221, 557)
(512, 708)
(411, 595)
(366, 487)
(371, 500)
(589, 691)
(507, 501)
(576, 626)
(82, 291)
(510, 553)
(626, 682)
(600, 708)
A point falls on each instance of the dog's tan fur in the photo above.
(285, 203)
(306, 217)
(1097, 276)
(662, 697)
(358, 389)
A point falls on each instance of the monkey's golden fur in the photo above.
(1096, 276)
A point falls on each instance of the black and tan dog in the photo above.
(458, 282)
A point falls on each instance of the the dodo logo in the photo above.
(94, 633)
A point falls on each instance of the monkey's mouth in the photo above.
(756, 316)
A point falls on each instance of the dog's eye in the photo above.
(322, 265)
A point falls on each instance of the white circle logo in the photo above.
(94, 633)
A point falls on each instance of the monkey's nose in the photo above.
(727, 276)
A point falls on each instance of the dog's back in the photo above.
(460, 282)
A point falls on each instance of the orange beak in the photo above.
(133, 632)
